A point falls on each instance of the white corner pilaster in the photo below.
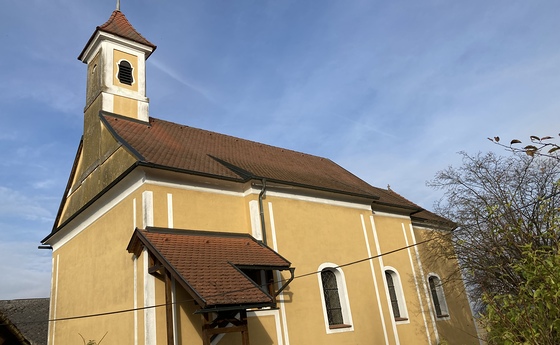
(147, 209)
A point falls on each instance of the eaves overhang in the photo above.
(100, 36)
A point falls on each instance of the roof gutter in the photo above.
(261, 210)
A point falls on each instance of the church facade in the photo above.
(169, 234)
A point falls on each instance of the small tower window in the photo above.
(125, 73)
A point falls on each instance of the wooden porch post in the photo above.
(168, 308)
(245, 331)
(205, 327)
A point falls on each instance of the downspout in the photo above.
(261, 210)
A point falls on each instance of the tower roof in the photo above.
(118, 25)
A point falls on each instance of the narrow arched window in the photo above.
(125, 73)
(332, 297)
(396, 296)
(392, 294)
(438, 297)
(336, 306)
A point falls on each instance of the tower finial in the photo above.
(118, 5)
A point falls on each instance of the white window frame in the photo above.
(403, 310)
(441, 298)
(343, 296)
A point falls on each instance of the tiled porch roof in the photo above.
(207, 263)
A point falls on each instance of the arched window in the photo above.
(335, 299)
(396, 297)
(125, 73)
(332, 297)
(438, 297)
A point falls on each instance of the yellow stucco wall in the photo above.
(97, 273)
(94, 275)
(125, 106)
(459, 327)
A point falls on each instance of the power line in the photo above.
(122, 311)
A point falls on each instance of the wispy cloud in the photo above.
(28, 278)
(15, 204)
(176, 75)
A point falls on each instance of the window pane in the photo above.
(392, 294)
(332, 298)
(434, 284)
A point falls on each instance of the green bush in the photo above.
(532, 316)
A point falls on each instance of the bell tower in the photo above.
(116, 57)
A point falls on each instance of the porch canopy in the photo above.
(221, 271)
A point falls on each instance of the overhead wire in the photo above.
(121, 311)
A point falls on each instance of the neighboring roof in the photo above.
(205, 263)
(28, 317)
(118, 25)
(166, 144)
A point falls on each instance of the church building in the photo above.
(169, 234)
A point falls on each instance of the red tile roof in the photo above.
(193, 150)
(198, 151)
(205, 261)
(118, 25)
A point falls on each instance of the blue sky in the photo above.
(390, 90)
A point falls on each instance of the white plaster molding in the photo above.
(124, 44)
(174, 310)
(100, 207)
(416, 285)
(380, 258)
(107, 102)
(135, 273)
(144, 111)
(424, 284)
(147, 209)
(283, 319)
(52, 326)
(254, 212)
(324, 201)
(392, 215)
(170, 210)
(134, 214)
(377, 295)
(149, 303)
(154, 182)
(254, 191)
